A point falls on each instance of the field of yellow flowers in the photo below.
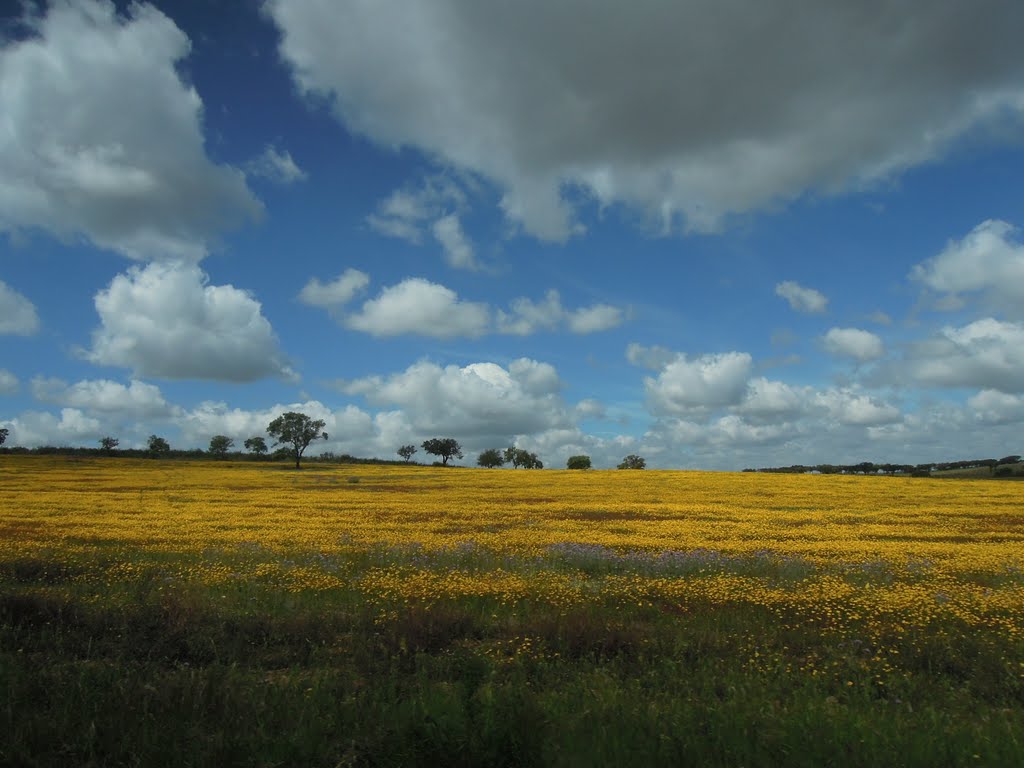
(405, 614)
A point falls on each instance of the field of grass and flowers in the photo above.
(217, 613)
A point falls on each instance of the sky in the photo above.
(715, 233)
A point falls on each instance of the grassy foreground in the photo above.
(236, 614)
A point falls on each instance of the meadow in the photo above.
(187, 613)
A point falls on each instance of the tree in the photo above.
(220, 445)
(297, 430)
(512, 456)
(407, 451)
(530, 461)
(445, 447)
(490, 458)
(256, 445)
(3, 435)
(158, 446)
(633, 462)
(519, 457)
(578, 462)
(108, 443)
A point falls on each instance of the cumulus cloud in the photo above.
(600, 317)
(702, 111)
(852, 407)
(800, 298)
(17, 314)
(277, 166)
(349, 429)
(655, 358)
(9, 383)
(435, 207)
(458, 249)
(104, 140)
(526, 316)
(985, 354)
(989, 262)
(994, 407)
(165, 321)
(34, 428)
(336, 293)
(772, 400)
(420, 307)
(853, 342)
(475, 401)
(708, 381)
(137, 400)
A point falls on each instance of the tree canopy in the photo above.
(108, 443)
(256, 445)
(519, 457)
(297, 430)
(407, 451)
(633, 462)
(3, 435)
(158, 446)
(445, 447)
(578, 462)
(490, 459)
(220, 445)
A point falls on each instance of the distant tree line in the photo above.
(871, 468)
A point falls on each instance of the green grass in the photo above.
(153, 671)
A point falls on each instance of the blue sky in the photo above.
(718, 235)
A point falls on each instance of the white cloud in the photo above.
(482, 400)
(420, 307)
(9, 383)
(708, 381)
(673, 122)
(104, 140)
(800, 298)
(655, 358)
(165, 321)
(772, 400)
(853, 342)
(851, 407)
(407, 212)
(988, 261)
(985, 354)
(526, 316)
(336, 293)
(600, 317)
(993, 407)
(138, 400)
(590, 408)
(348, 428)
(34, 428)
(277, 166)
(17, 314)
(458, 249)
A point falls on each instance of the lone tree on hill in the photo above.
(256, 445)
(158, 446)
(578, 462)
(220, 445)
(445, 447)
(633, 462)
(490, 458)
(407, 451)
(297, 430)
(108, 443)
(3, 435)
